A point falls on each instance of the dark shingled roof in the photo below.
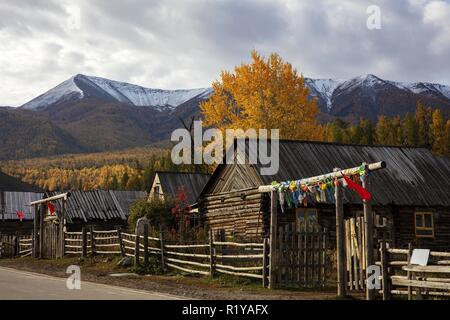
(413, 176)
(99, 204)
(9, 183)
(172, 181)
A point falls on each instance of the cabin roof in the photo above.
(99, 205)
(10, 183)
(13, 202)
(413, 176)
(193, 182)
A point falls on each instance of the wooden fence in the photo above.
(15, 245)
(400, 278)
(208, 258)
(301, 256)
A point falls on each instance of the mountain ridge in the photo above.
(81, 86)
(93, 114)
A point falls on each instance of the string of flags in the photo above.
(295, 193)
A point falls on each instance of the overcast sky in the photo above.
(185, 44)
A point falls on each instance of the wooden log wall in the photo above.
(404, 228)
(237, 214)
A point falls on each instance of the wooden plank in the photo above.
(120, 239)
(273, 239)
(84, 242)
(368, 231)
(265, 263)
(211, 254)
(421, 284)
(384, 271)
(186, 269)
(348, 253)
(342, 284)
(250, 275)
(162, 253)
(145, 245)
(431, 269)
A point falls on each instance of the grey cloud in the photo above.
(176, 44)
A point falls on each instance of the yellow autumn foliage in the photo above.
(264, 94)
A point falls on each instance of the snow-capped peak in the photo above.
(80, 86)
(328, 89)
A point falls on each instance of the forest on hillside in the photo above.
(133, 169)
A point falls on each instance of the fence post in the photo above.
(410, 249)
(265, 262)
(273, 235)
(137, 250)
(83, 242)
(368, 230)
(211, 254)
(16, 245)
(121, 245)
(35, 231)
(146, 245)
(161, 241)
(340, 245)
(384, 270)
(92, 242)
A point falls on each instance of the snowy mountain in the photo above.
(80, 86)
(325, 90)
(92, 114)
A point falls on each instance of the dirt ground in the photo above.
(205, 288)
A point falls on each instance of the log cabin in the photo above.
(410, 197)
(166, 184)
(15, 197)
(102, 209)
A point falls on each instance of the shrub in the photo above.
(157, 211)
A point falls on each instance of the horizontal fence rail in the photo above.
(211, 258)
(400, 278)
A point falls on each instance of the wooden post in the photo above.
(92, 242)
(211, 254)
(41, 230)
(265, 281)
(146, 245)
(84, 242)
(384, 270)
(61, 229)
(409, 274)
(120, 239)
(368, 230)
(273, 236)
(137, 250)
(340, 250)
(35, 231)
(161, 241)
(16, 245)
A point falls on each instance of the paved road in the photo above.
(21, 285)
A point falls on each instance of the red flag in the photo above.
(20, 215)
(363, 193)
(51, 208)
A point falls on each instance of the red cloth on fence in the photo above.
(51, 207)
(20, 215)
(363, 193)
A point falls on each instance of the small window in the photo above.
(156, 192)
(424, 225)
